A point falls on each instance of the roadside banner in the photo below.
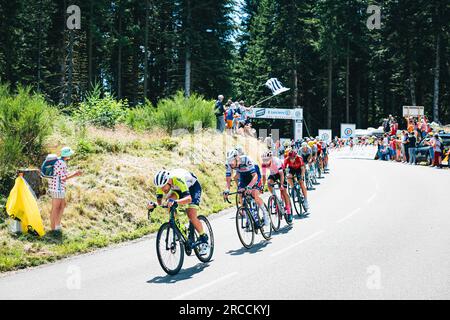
(413, 111)
(325, 135)
(348, 130)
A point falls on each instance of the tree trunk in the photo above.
(295, 75)
(146, 51)
(436, 82)
(187, 72)
(119, 59)
(358, 102)
(412, 85)
(330, 88)
(39, 46)
(91, 14)
(70, 75)
(347, 83)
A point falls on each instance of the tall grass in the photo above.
(179, 112)
(25, 123)
(176, 112)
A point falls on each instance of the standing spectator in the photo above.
(412, 148)
(219, 111)
(405, 155)
(437, 148)
(229, 116)
(57, 189)
(393, 148)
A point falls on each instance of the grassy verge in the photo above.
(107, 204)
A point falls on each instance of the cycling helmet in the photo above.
(266, 156)
(292, 154)
(161, 178)
(304, 144)
(239, 149)
(286, 143)
(231, 155)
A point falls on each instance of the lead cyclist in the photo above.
(181, 187)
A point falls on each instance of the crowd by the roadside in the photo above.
(418, 142)
(233, 117)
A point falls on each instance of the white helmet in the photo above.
(231, 155)
(161, 178)
(239, 149)
(267, 155)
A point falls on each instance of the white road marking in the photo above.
(296, 244)
(349, 215)
(205, 286)
(372, 198)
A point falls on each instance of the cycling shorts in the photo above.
(295, 172)
(276, 178)
(246, 178)
(196, 193)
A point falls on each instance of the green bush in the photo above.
(180, 112)
(142, 117)
(25, 123)
(101, 112)
(85, 147)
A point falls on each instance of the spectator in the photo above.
(405, 137)
(57, 189)
(219, 111)
(230, 110)
(412, 148)
(437, 148)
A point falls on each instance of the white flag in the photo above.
(275, 85)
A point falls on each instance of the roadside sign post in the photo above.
(295, 115)
(326, 135)
(413, 111)
(348, 130)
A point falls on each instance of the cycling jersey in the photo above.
(246, 166)
(305, 153)
(296, 164)
(276, 165)
(184, 183)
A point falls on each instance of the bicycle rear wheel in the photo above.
(170, 249)
(208, 231)
(245, 227)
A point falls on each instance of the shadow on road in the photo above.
(303, 216)
(184, 274)
(284, 229)
(255, 249)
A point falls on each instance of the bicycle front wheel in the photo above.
(210, 246)
(266, 228)
(245, 227)
(274, 213)
(170, 249)
(297, 200)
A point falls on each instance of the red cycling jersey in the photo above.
(296, 164)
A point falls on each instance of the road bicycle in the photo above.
(173, 241)
(298, 199)
(250, 219)
(276, 209)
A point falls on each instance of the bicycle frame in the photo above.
(188, 239)
(280, 202)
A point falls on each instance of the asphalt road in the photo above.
(377, 230)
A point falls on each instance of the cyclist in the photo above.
(249, 178)
(181, 187)
(325, 155)
(295, 169)
(275, 166)
(306, 153)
